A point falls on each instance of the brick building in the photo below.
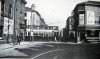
(12, 15)
(7, 11)
(69, 31)
(20, 18)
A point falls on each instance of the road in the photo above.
(56, 51)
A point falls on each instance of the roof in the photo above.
(37, 13)
(97, 3)
(24, 1)
(28, 9)
(90, 2)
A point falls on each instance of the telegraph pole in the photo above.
(8, 30)
(14, 32)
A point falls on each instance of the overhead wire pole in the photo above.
(8, 30)
(14, 32)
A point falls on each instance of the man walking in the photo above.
(18, 38)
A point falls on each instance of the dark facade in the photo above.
(42, 23)
(87, 21)
(20, 20)
(6, 22)
(69, 31)
(12, 15)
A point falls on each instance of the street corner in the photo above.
(11, 53)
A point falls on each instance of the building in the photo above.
(69, 31)
(34, 21)
(12, 15)
(6, 22)
(0, 20)
(42, 23)
(20, 20)
(87, 21)
(33, 17)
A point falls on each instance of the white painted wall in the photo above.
(28, 17)
(37, 19)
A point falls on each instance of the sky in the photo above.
(54, 12)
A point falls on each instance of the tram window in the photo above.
(28, 34)
(92, 32)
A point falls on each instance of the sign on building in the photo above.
(90, 18)
(5, 28)
(81, 19)
(11, 23)
(6, 22)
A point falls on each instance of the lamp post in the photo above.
(8, 33)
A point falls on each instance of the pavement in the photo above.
(50, 50)
(10, 50)
(10, 45)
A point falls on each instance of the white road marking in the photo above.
(45, 53)
(38, 46)
(34, 49)
(55, 57)
(49, 45)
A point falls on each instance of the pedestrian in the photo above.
(18, 38)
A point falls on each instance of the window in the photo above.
(2, 6)
(20, 15)
(10, 10)
(97, 20)
(25, 14)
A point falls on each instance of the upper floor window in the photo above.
(25, 14)
(10, 10)
(2, 6)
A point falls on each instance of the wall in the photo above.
(92, 15)
(37, 19)
(28, 17)
(8, 20)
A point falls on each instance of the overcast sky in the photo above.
(54, 12)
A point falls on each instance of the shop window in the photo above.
(99, 21)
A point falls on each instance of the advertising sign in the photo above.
(11, 23)
(90, 18)
(5, 29)
(81, 19)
